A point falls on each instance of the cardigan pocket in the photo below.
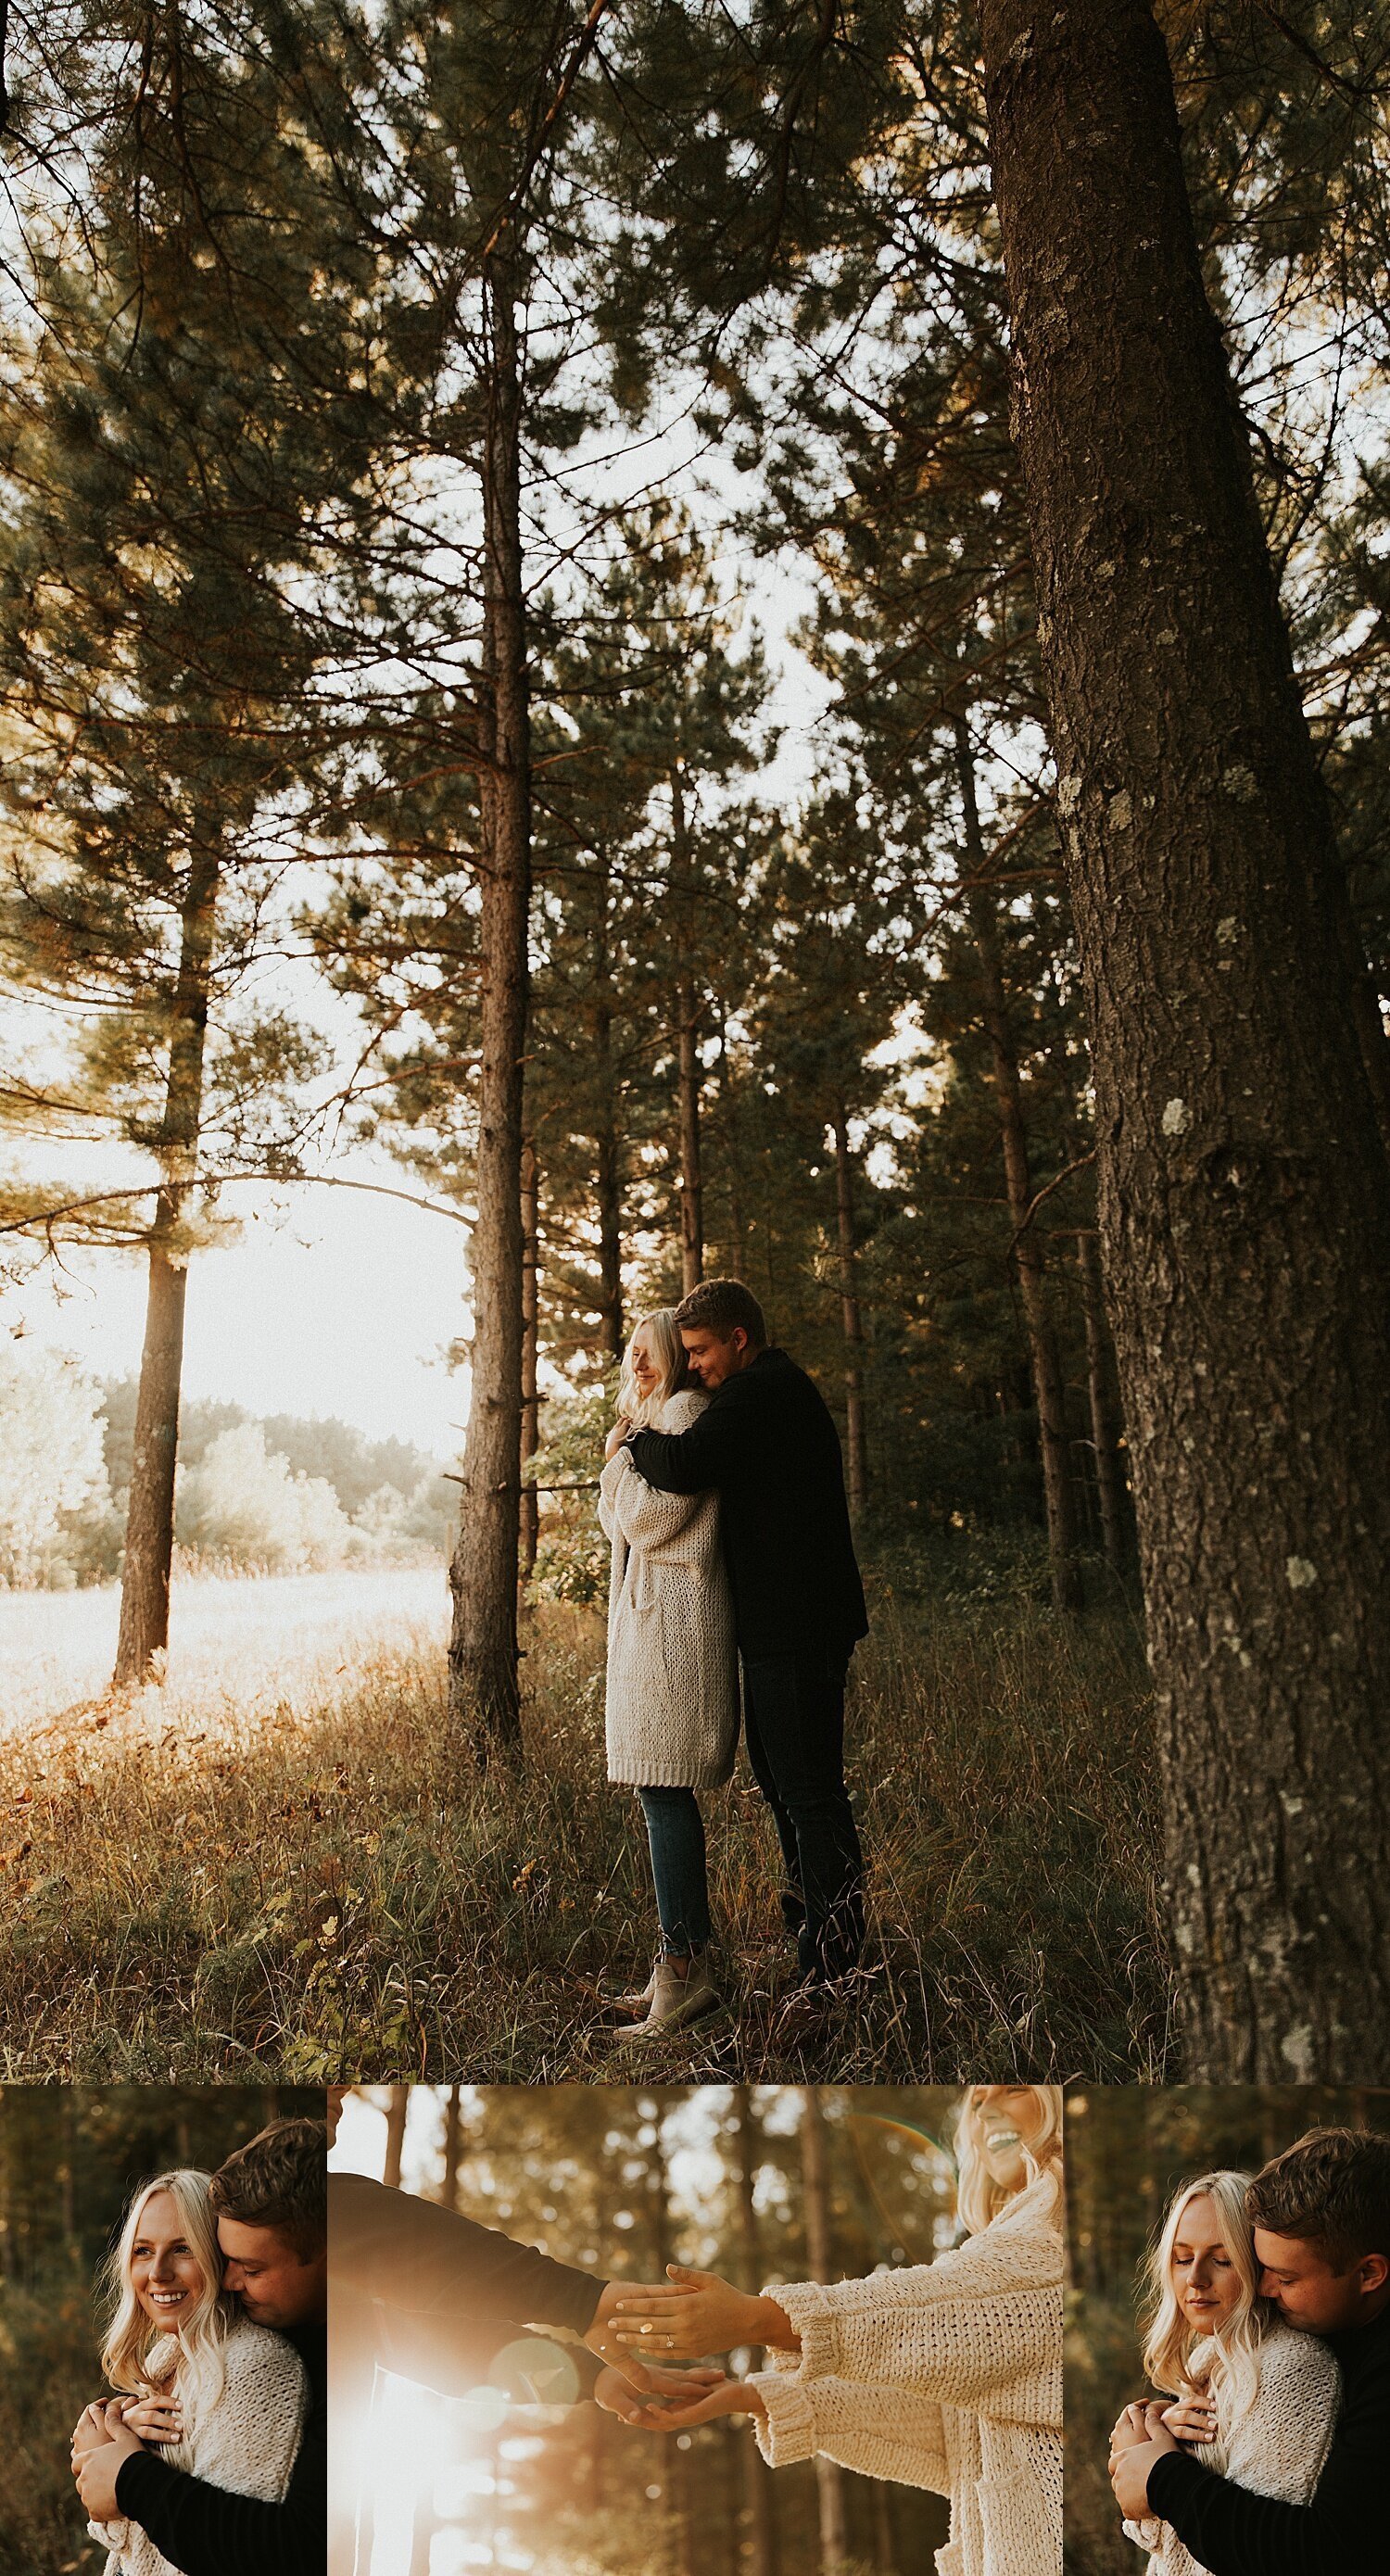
(1018, 2538)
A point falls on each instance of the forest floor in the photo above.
(265, 1870)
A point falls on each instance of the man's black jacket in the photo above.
(1342, 2532)
(415, 2289)
(205, 2531)
(767, 1445)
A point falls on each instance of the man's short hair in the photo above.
(279, 2180)
(1331, 2187)
(719, 1306)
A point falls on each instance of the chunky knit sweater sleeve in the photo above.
(979, 2327)
(880, 2432)
(244, 2442)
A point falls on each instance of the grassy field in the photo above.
(249, 1875)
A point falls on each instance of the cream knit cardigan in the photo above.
(1276, 2446)
(946, 2376)
(246, 2440)
(672, 1699)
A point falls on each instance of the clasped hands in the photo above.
(1142, 2435)
(687, 2315)
(108, 2434)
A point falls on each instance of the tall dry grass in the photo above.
(316, 1884)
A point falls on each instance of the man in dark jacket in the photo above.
(432, 2296)
(767, 1445)
(1321, 2219)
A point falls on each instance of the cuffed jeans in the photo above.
(676, 1833)
(794, 1718)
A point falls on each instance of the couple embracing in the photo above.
(723, 1496)
(209, 2460)
(1268, 2325)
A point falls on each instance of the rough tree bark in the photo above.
(483, 1692)
(1244, 1191)
(530, 1354)
(1049, 1388)
(820, 2264)
(143, 1634)
(608, 1180)
(759, 2503)
(1110, 1490)
(690, 1071)
(851, 1320)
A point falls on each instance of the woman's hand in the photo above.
(638, 2393)
(698, 2313)
(1192, 2416)
(616, 1437)
(727, 2397)
(153, 2419)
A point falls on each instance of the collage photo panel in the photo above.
(694, 1287)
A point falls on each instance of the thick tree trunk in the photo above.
(1110, 1489)
(483, 1693)
(397, 2114)
(530, 1355)
(759, 2503)
(1049, 1387)
(143, 1636)
(851, 1320)
(820, 2264)
(689, 1070)
(608, 1182)
(1244, 1191)
(449, 2191)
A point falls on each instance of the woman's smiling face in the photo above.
(165, 2273)
(644, 1368)
(1205, 2281)
(1008, 2119)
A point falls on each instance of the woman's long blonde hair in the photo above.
(668, 1351)
(1169, 2338)
(131, 2335)
(979, 2198)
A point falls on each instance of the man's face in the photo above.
(1296, 2274)
(711, 1360)
(265, 2273)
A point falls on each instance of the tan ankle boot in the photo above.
(676, 1999)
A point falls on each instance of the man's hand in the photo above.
(727, 2397)
(696, 2312)
(640, 2394)
(1130, 2466)
(98, 2469)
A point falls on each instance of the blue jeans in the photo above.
(794, 1722)
(676, 1834)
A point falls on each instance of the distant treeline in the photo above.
(275, 1495)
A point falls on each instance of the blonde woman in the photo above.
(672, 1691)
(947, 2376)
(220, 2397)
(1256, 2399)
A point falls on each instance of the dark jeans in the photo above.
(675, 1830)
(794, 1717)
